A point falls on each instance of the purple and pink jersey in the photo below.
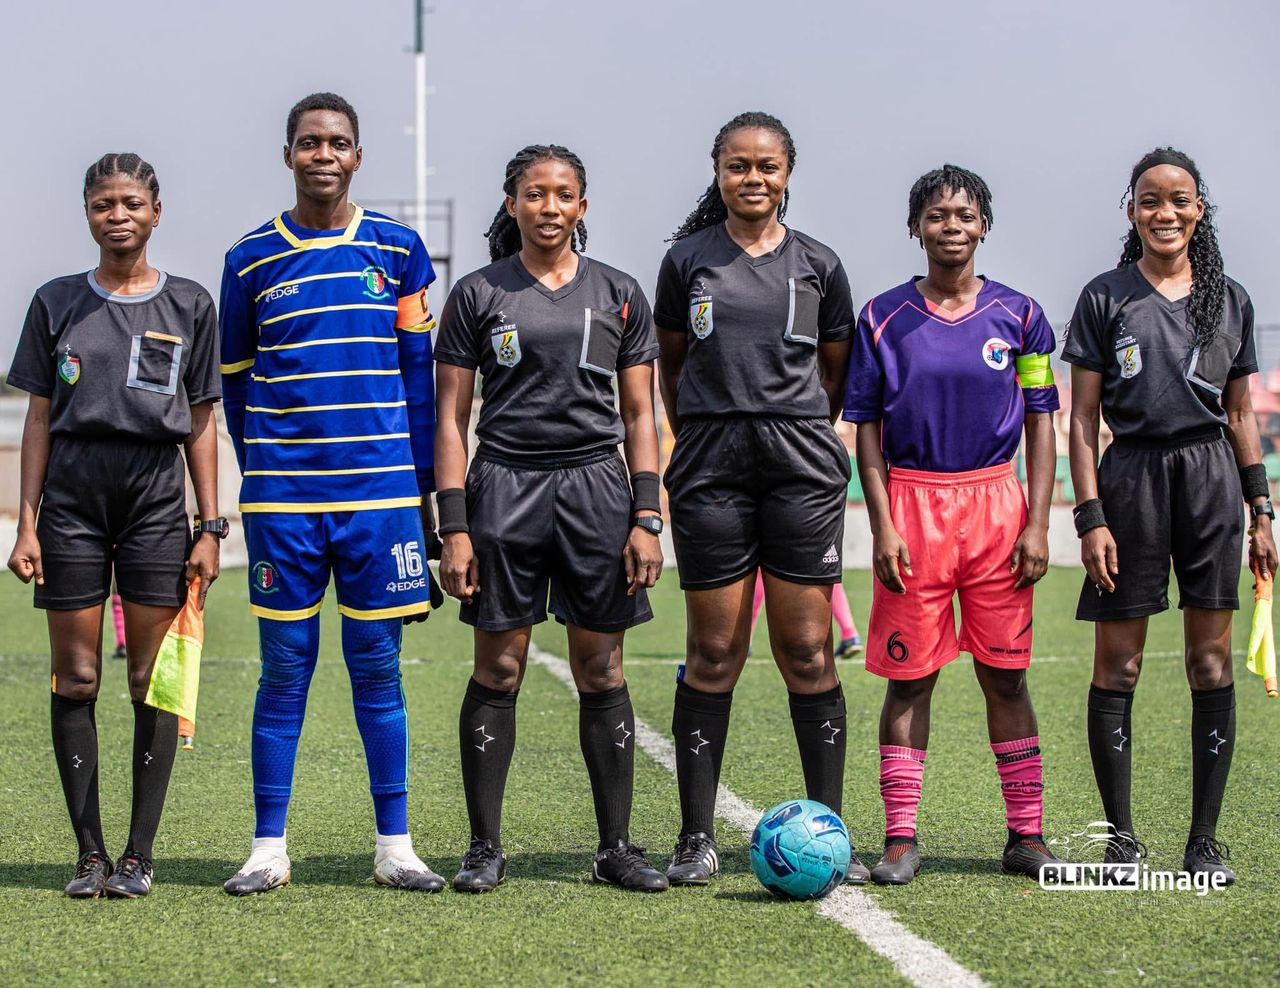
(951, 388)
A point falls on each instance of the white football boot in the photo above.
(396, 865)
(268, 868)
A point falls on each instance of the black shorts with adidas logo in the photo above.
(750, 492)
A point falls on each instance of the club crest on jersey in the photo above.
(700, 318)
(69, 367)
(265, 578)
(506, 345)
(1130, 360)
(375, 282)
(995, 353)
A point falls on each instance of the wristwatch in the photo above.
(1264, 508)
(650, 523)
(218, 526)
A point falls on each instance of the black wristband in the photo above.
(453, 510)
(1253, 481)
(645, 494)
(1088, 516)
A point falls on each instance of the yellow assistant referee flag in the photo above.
(175, 680)
(1262, 637)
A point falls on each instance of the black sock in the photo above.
(819, 723)
(75, 747)
(487, 739)
(1110, 747)
(699, 726)
(155, 742)
(1213, 737)
(606, 731)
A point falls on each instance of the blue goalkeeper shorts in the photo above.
(377, 558)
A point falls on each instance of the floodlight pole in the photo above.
(420, 118)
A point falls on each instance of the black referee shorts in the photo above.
(112, 502)
(1181, 504)
(751, 492)
(560, 527)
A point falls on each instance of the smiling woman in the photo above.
(1163, 348)
(120, 366)
(949, 371)
(753, 321)
(548, 503)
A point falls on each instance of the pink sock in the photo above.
(1021, 784)
(117, 616)
(840, 611)
(901, 780)
(757, 601)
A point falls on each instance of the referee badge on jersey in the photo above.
(69, 366)
(700, 318)
(506, 345)
(1130, 360)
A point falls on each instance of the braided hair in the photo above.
(126, 164)
(937, 183)
(503, 233)
(1208, 285)
(711, 209)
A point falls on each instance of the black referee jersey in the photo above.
(119, 366)
(547, 357)
(1154, 386)
(753, 323)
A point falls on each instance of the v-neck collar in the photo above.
(767, 257)
(556, 294)
(1169, 304)
(948, 316)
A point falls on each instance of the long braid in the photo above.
(1208, 283)
(711, 209)
(127, 164)
(503, 232)
(951, 178)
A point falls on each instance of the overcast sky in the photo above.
(1051, 102)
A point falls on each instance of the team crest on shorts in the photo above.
(1130, 360)
(375, 282)
(506, 345)
(69, 367)
(265, 578)
(995, 353)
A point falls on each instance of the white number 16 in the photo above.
(408, 560)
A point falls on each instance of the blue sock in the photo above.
(372, 651)
(289, 650)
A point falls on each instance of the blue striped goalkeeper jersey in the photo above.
(326, 364)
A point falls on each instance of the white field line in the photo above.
(922, 963)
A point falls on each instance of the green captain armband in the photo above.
(1034, 371)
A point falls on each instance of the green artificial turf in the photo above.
(549, 924)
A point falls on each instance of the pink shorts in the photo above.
(960, 530)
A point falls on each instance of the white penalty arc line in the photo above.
(919, 961)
